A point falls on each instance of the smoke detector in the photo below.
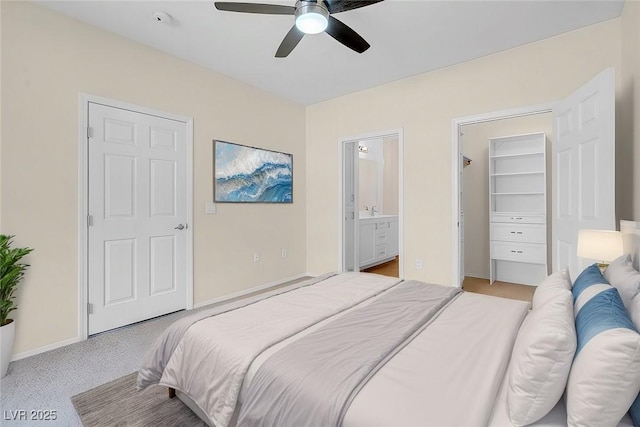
(162, 17)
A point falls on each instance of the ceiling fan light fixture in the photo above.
(311, 18)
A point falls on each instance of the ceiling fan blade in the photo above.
(289, 42)
(336, 6)
(345, 35)
(270, 9)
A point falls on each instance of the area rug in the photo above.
(118, 403)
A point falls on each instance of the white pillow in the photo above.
(541, 359)
(634, 311)
(625, 278)
(550, 287)
(605, 375)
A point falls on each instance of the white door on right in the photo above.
(583, 165)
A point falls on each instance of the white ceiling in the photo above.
(407, 37)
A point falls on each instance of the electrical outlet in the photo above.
(256, 257)
(284, 252)
(419, 264)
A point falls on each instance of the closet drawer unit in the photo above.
(510, 232)
(516, 218)
(381, 251)
(521, 252)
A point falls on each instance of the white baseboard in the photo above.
(250, 290)
(317, 274)
(47, 347)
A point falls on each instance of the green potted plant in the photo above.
(11, 273)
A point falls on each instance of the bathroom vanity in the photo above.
(378, 239)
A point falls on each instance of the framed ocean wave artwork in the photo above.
(244, 174)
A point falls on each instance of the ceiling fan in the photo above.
(312, 17)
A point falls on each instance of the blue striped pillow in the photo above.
(589, 276)
(602, 320)
(598, 306)
(604, 311)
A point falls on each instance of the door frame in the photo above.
(83, 197)
(456, 152)
(355, 171)
(371, 135)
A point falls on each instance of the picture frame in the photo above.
(246, 174)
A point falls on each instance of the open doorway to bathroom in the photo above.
(371, 204)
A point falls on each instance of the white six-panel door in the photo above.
(137, 238)
(583, 167)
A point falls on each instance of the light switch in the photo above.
(210, 208)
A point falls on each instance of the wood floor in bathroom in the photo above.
(390, 268)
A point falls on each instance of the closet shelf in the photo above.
(517, 209)
(520, 193)
(529, 154)
(517, 173)
(520, 213)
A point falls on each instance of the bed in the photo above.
(436, 356)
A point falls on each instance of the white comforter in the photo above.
(449, 376)
(210, 362)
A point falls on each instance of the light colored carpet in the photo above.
(118, 403)
(47, 381)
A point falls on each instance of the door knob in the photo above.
(180, 227)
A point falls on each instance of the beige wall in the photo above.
(628, 141)
(48, 60)
(476, 182)
(424, 106)
(1, 57)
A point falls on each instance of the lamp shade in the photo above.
(600, 245)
